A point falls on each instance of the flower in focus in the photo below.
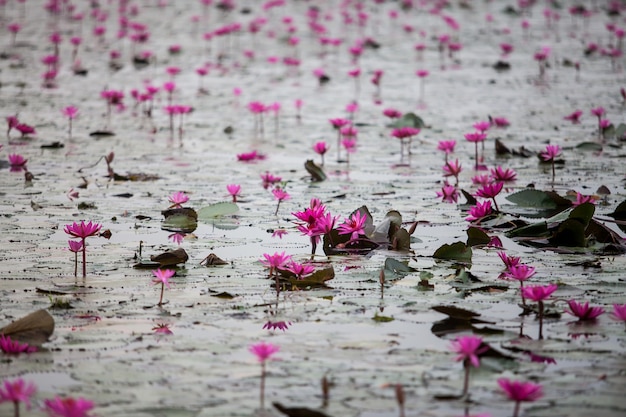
(82, 230)
(353, 225)
(503, 175)
(275, 261)
(539, 292)
(300, 270)
(448, 193)
(583, 311)
(520, 272)
(479, 211)
(490, 190)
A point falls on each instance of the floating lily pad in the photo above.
(477, 237)
(589, 146)
(184, 220)
(399, 268)
(409, 120)
(457, 251)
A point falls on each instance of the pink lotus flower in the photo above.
(502, 174)
(520, 392)
(550, 153)
(475, 137)
(452, 169)
(16, 160)
(324, 224)
(619, 312)
(178, 199)
(479, 211)
(162, 329)
(321, 148)
(583, 311)
(500, 122)
(539, 292)
(509, 261)
(392, 113)
(353, 225)
(233, 190)
(280, 195)
(521, 273)
(468, 348)
(482, 126)
(162, 276)
(250, 156)
(82, 231)
(17, 391)
(300, 270)
(277, 325)
(448, 193)
(275, 261)
(13, 347)
(446, 146)
(263, 351)
(269, 179)
(490, 191)
(68, 407)
(581, 199)
(25, 129)
(574, 117)
(482, 180)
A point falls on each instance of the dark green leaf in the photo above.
(589, 146)
(620, 211)
(396, 267)
(571, 233)
(476, 236)
(532, 230)
(532, 198)
(409, 120)
(457, 251)
(317, 173)
(583, 213)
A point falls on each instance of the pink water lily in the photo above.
(448, 193)
(503, 174)
(178, 199)
(275, 261)
(162, 276)
(490, 191)
(263, 351)
(479, 211)
(13, 347)
(277, 325)
(583, 311)
(68, 407)
(280, 195)
(521, 273)
(508, 261)
(300, 270)
(519, 392)
(353, 226)
(234, 190)
(539, 293)
(17, 391)
(82, 231)
(468, 349)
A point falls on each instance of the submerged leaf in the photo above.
(317, 278)
(382, 319)
(399, 268)
(589, 146)
(183, 220)
(457, 251)
(216, 210)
